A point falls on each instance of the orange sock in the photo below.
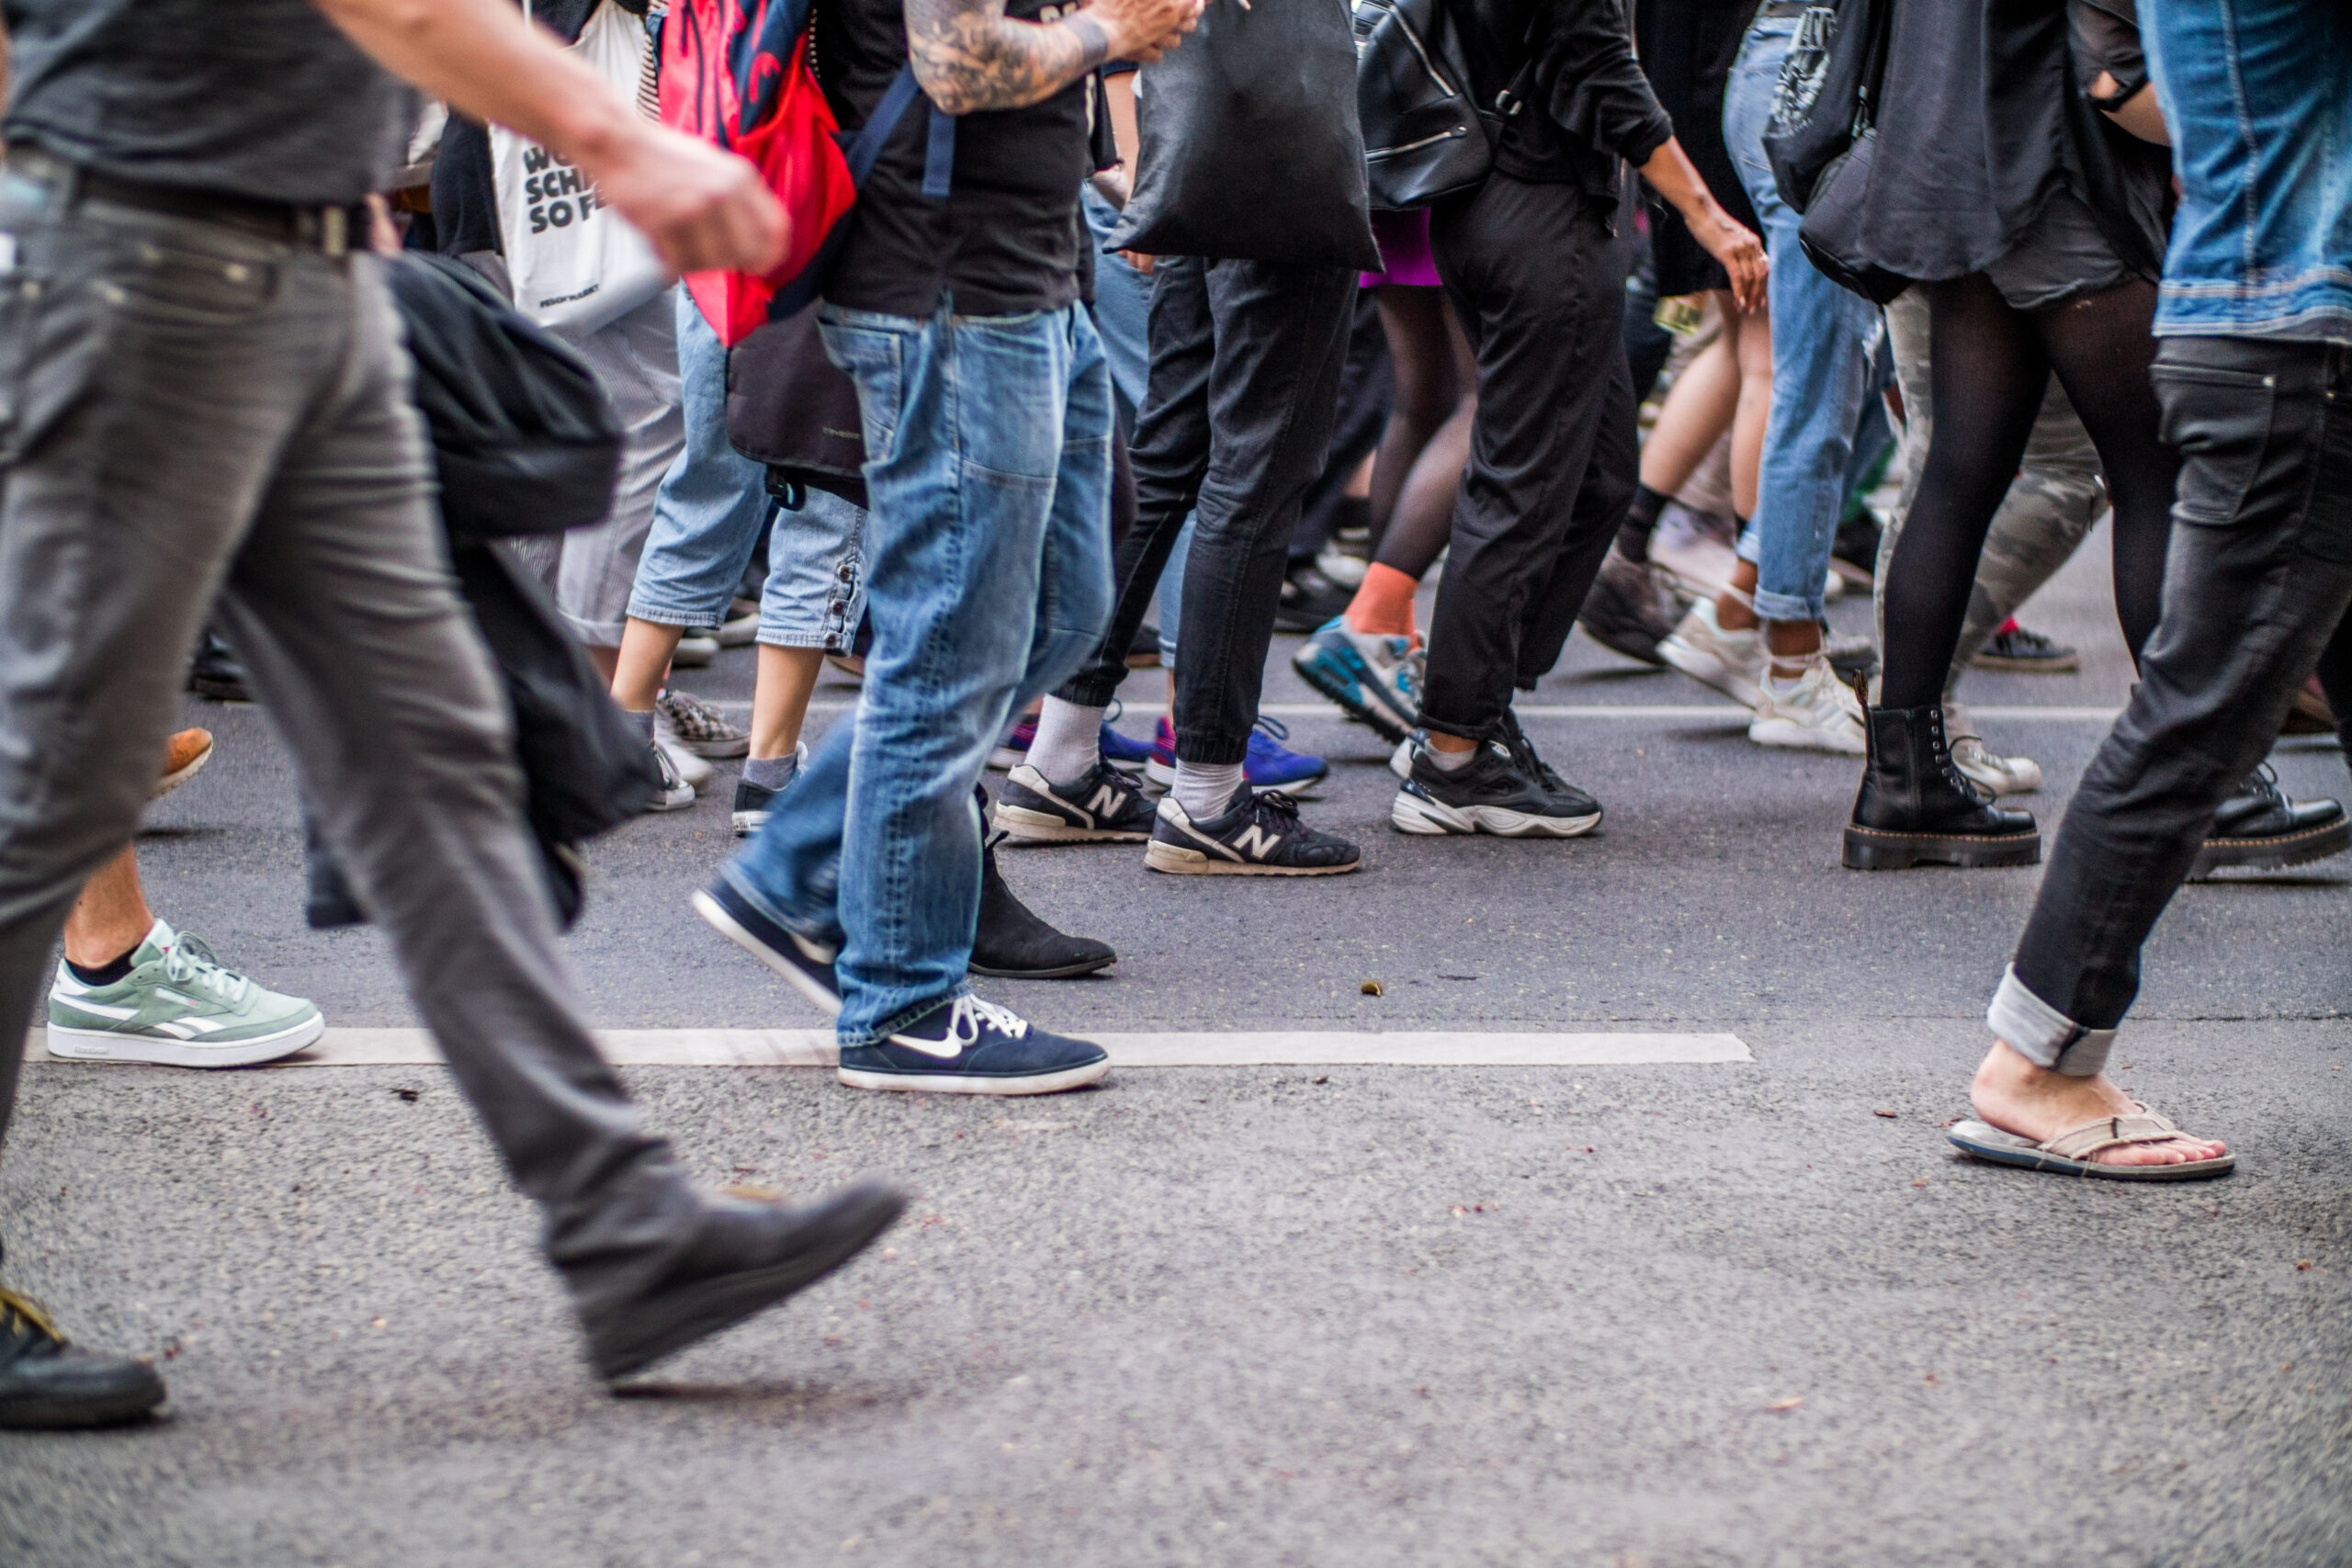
(1384, 604)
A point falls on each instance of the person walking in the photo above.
(206, 365)
(2254, 372)
(987, 410)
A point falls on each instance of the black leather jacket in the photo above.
(1587, 104)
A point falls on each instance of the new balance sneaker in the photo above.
(2021, 652)
(1373, 677)
(806, 964)
(48, 1382)
(1106, 807)
(1984, 768)
(1732, 662)
(676, 792)
(970, 1046)
(694, 726)
(179, 1006)
(1015, 745)
(1257, 834)
(1268, 765)
(1814, 712)
(754, 804)
(1501, 790)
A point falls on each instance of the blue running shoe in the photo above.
(1373, 678)
(1273, 765)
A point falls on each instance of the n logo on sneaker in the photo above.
(1106, 798)
(1256, 842)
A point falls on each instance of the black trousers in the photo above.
(2256, 581)
(1538, 278)
(1237, 422)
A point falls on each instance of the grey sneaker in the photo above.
(179, 1006)
(693, 724)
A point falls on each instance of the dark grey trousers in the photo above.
(187, 409)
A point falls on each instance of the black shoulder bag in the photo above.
(1837, 218)
(1421, 135)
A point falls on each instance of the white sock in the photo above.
(1204, 789)
(1069, 741)
(1452, 761)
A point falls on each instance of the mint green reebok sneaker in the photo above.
(177, 1007)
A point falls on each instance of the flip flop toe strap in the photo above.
(2088, 1140)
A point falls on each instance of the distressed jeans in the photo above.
(988, 543)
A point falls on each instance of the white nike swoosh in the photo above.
(945, 1050)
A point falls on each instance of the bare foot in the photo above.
(2036, 1103)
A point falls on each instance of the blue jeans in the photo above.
(1822, 336)
(712, 510)
(987, 445)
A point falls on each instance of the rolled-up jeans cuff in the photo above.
(2043, 1034)
(1771, 606)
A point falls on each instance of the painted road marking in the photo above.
(815, 1048)
(1687, 713)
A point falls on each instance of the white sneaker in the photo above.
(1813, 712)
(741, 627)
(1987, 770)
(1732, 662)
(691, 770)
(676, 792)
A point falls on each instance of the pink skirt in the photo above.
(1404, 250)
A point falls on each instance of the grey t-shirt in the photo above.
(257, 97)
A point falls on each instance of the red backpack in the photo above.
(736, 72)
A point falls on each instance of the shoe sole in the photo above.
(1429, 818)
(34, 1413)
(106, 1045)
(715, 914)
(1867, 849)
(172, 781)
(1708, 671)
(2274, 853)
(1060, 971)
(2029, 666)
(1178, 861)
(1022, 826)
(700, 1311)
(664, 802)
(1791, 736)
(956, 1083)
(1326, 685)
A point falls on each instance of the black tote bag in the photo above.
(1251, 146)
(796, 410)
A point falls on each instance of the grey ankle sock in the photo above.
(1203, 789)
(772, 772)
(644, 722)
(1069, 741)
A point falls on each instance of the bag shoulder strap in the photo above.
(939, 148)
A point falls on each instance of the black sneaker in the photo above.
(970, 1046)
(46, 1381)
(2262, 827)
(1106, 807)
(1308, 598)
(749, 1253)
(1629, 610)
(805, 963)
(2022, 652)
(1013, 942)
(215, 672)
(1258, 834)
(1504, 789)
(754, 806)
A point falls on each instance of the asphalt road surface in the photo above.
(1730, 1314)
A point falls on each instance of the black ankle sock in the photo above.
(1641, 520)
(106, 974)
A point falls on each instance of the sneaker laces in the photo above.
(18, 1314)
(971, 1015)
(191, 962)
(1272, 730)
(1523, 751)
(691, 716)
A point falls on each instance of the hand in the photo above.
(1140, 262)
(1741, 252)
(1142, 30)
(702, 208)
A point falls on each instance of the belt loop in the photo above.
(335, 231)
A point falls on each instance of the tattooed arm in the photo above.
(968, 55)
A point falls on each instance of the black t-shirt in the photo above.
(1007, 238)
(262, 98)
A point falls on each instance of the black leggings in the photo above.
(1419, 470)
(1990, 367)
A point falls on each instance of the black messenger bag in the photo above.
(1422, 137)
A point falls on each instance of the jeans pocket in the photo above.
(171, 284)
(2220, 420)
(53, 345)
(874, 359)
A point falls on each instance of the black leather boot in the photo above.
(1012, 944)
(2260, 825)
(1914, 806)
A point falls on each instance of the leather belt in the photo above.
(333, 230)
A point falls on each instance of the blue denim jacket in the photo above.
(2258, 93)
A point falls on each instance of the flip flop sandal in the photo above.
(2074, 1150)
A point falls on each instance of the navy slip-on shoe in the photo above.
(970, 1046)
(804, 962)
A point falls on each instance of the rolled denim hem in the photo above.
(2043, 1034)
(851, 1040)
(824, 642)
(1783, 607)
(665, 615)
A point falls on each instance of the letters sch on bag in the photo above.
(555, 193)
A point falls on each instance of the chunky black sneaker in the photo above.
(1308, 598)
(1629, 610)
(2022, 652)
(46, 1381)
(1257, 834)
(970, 1046)
(748, 1252)
(2261, 827)
(1012, 944)
(1504, 789)
(1106, 807)
(806, 964)
(1917, 806)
